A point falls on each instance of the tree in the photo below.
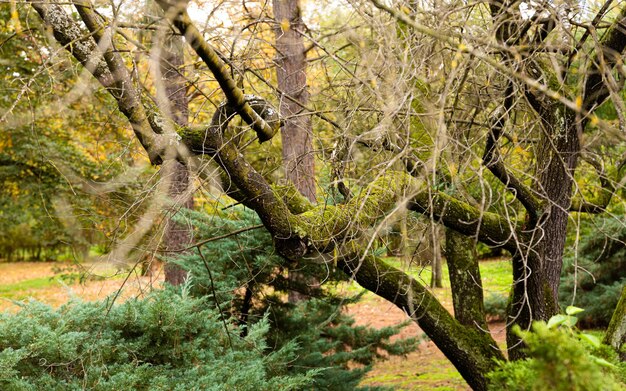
(177, 236)
(504, 112)
(296, 132)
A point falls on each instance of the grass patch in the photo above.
(20, 288)
(497, 275)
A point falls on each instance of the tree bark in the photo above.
(465, 281)
(177, 235)
(296, 133)
(537, 268)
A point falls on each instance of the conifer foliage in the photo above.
(167, 341)
(595, 276)
(248, 281)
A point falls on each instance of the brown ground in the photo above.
(60, 291)
(425, 369)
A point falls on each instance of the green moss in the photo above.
(323, 225)
(296, 202)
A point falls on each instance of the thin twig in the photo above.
(217, 304)
(203, 242)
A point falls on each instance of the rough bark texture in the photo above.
(465, 281)
(177, 235)
(557, 161)
(616, 333)
(537, 272)
(296, 133)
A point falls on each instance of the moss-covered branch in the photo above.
(325, 225)
(254, 191)
(490, 228)
(471, 351)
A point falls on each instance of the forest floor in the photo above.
(424, 369)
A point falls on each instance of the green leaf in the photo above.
(592, 339)
(570, 321)
(602, 362)
(571, 310)
(556, 320)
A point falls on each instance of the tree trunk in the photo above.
(296, 133)
(616, 333)
(177, 235)
(465, 281)
(537, 273)
(436, 278)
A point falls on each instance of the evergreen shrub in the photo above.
(167, 341)
(595, 276)
(248, 280)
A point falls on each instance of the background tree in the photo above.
(177, 236)
(296, 131)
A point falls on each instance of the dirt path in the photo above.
(425, 369)
(49, 287)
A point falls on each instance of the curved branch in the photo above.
(473, 352)
(176, 11)
(255, 191)
(489, 228)
(493, 161)
(108, 68)
(612, 48)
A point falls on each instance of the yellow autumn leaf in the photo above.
(15, 19)
(453, 169)
(579, 101)
(285, 25)
(520, 151)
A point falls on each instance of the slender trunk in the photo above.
(177, 235)
(436, 279)
(296, 133)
